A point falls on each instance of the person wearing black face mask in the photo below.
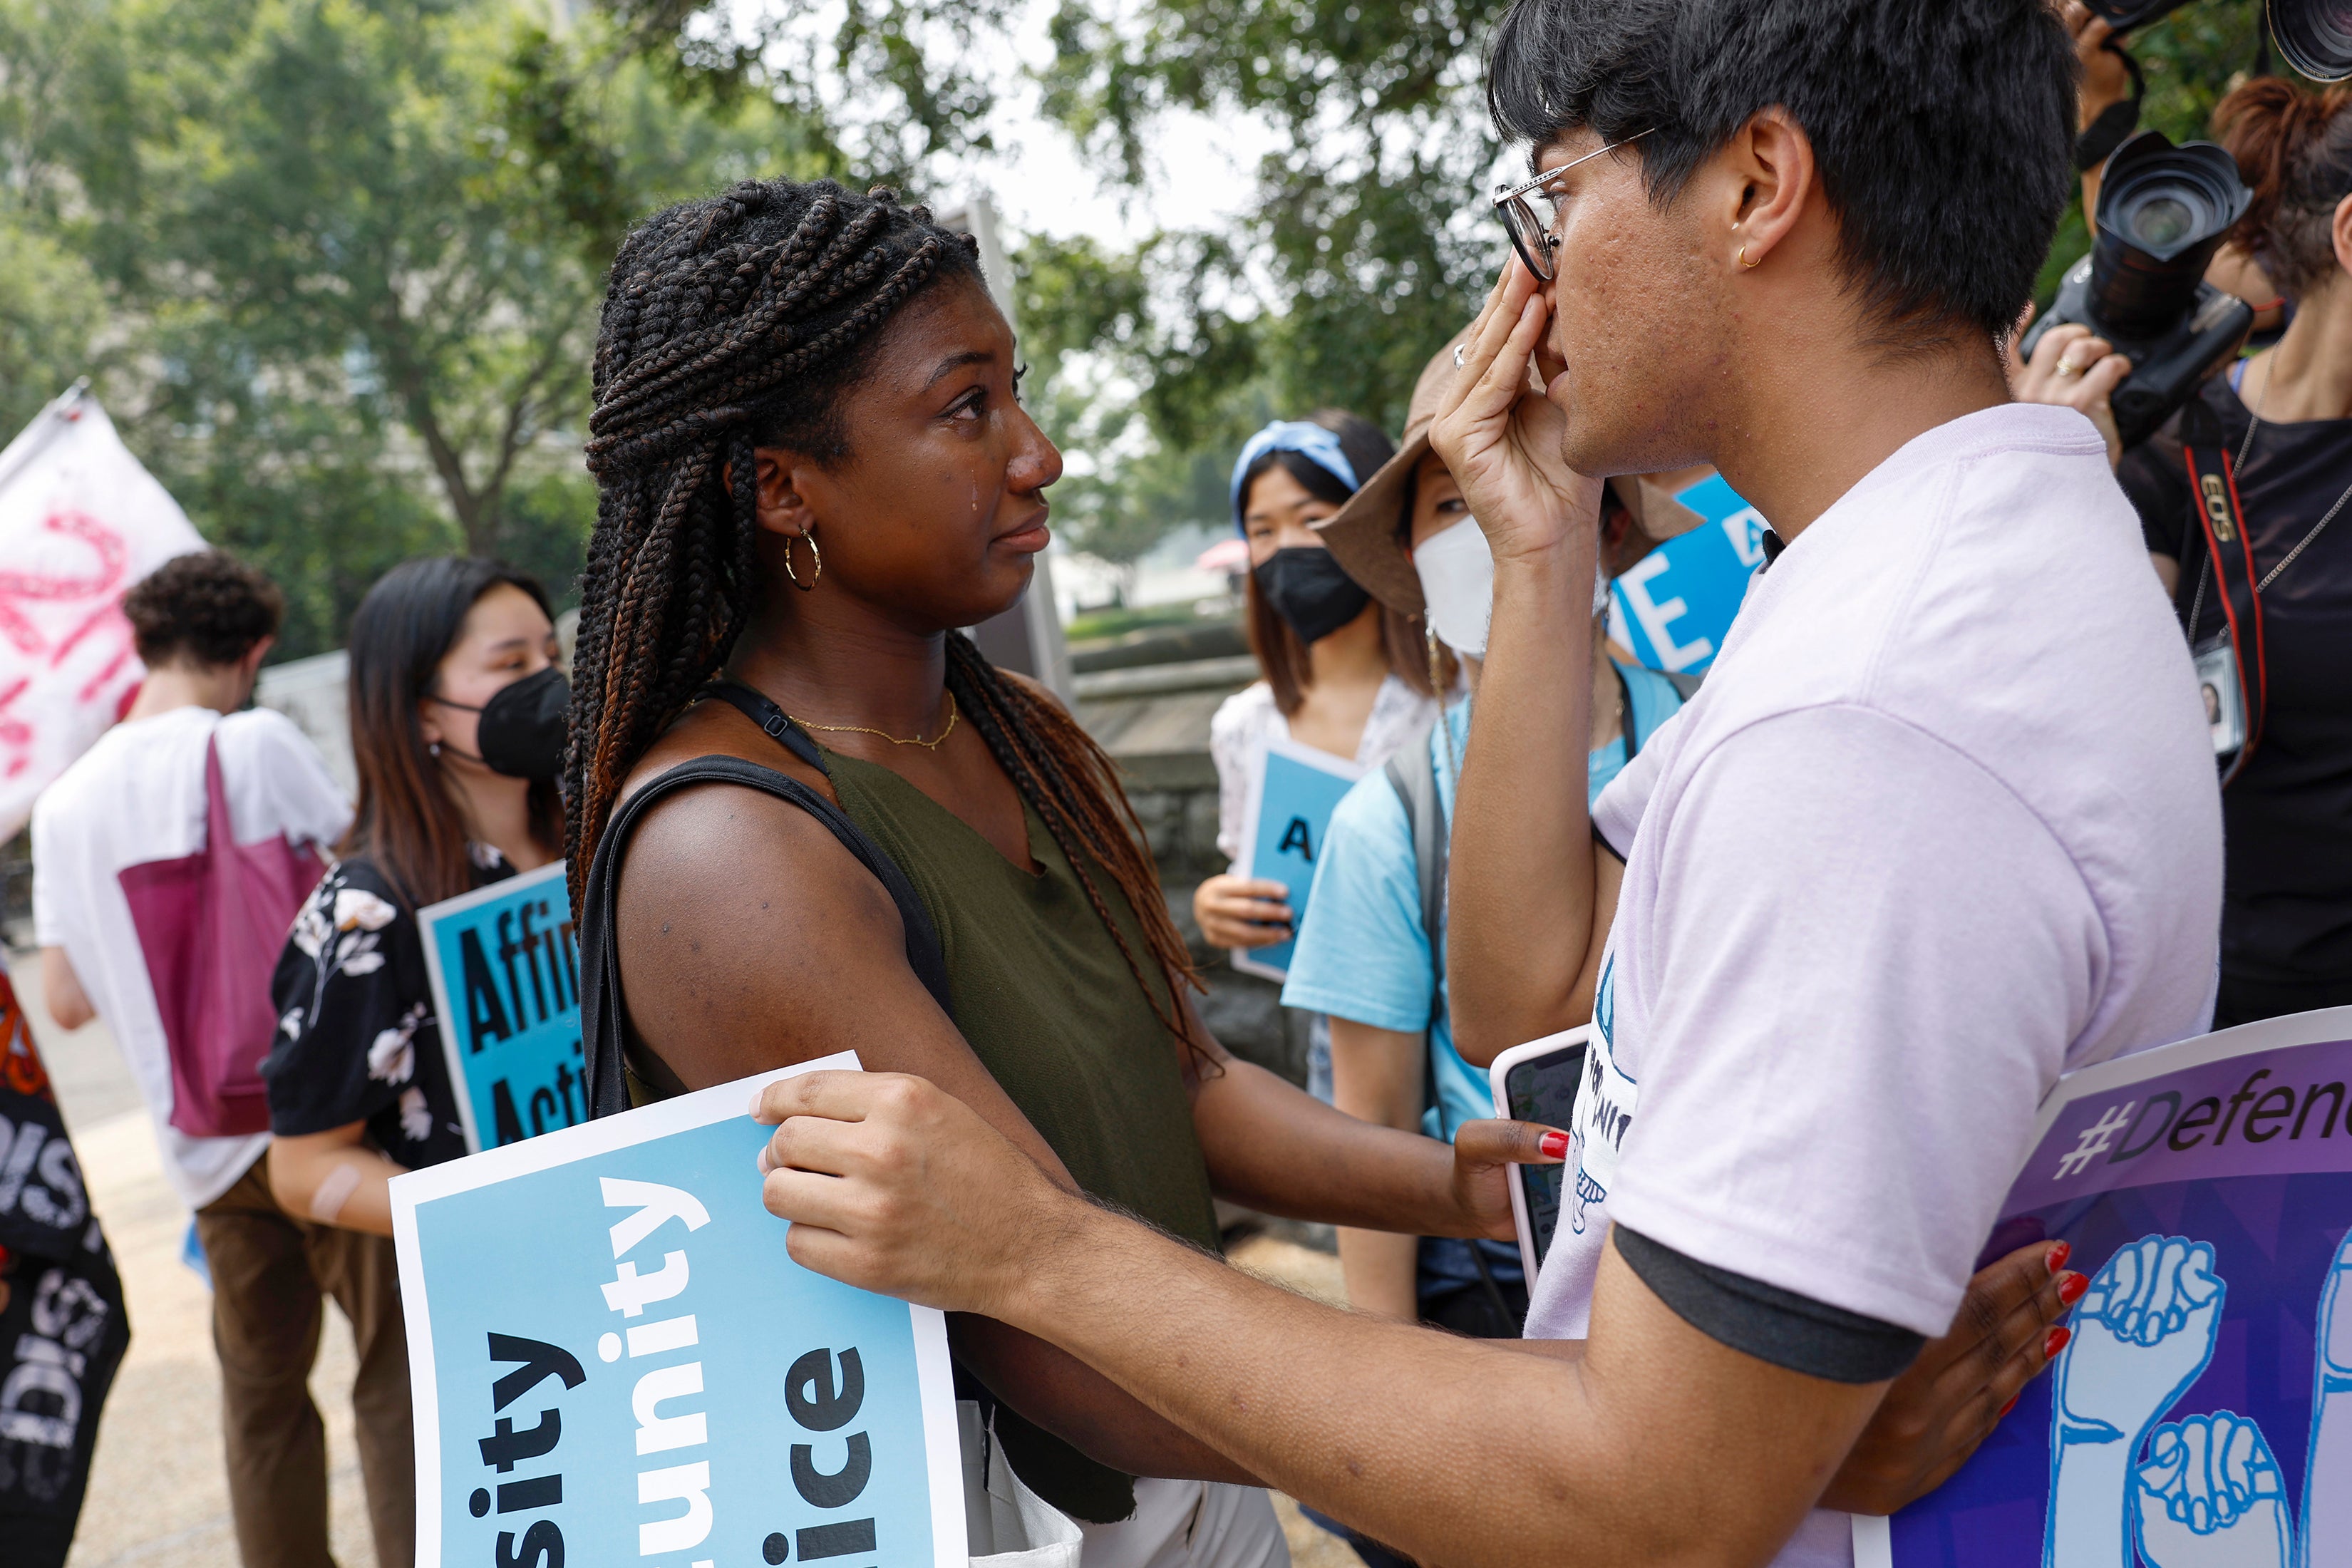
(458, 713)
(1342, 674)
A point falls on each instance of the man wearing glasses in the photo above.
(1940, 826)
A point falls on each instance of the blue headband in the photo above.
(1312, 442)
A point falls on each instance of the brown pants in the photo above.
(269, 1271)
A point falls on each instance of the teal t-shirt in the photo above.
(1363, 953)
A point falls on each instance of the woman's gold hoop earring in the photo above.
(814, 554)
(1743, 257)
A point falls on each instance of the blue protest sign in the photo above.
(612, 1359)
(1673, 607)
(505, 970)
(1291, 799)
(2201, 1412)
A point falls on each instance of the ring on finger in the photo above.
(1458, 355)
(2066, 367)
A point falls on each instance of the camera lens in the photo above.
(2162, 213)
(2316, 36)
(2161, 222)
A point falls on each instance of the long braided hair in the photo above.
(739, 322)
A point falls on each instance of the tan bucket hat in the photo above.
(1364, 533)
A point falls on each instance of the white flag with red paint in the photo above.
(80, 522)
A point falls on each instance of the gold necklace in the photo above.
(931, 745)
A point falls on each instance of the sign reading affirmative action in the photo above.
(505, 969)
(2200, 1415)
(614, 1360)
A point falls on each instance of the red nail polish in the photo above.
(2059, 1253)
(1554, 1145)
(2011, 1405)
(2071, 1286)
(2056, 1342)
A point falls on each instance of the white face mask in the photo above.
(1457, 584)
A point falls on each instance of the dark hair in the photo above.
(2293, 146)
(1943, 131)
(407, 822)
(1280, 653)
(737, 323)
(208, 607)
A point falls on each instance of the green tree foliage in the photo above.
(336, 263)
(1367, 244)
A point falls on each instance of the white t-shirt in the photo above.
(1942, 825)
(139, 796)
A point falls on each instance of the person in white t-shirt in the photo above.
(203, 624)
(1940, 826)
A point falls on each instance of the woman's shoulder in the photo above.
(355, 906)
(1399, 713)
(358, 884)
(1245, 712)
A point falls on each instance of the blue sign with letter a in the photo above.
(505, 969)
(1290, 805)
(1673, 607)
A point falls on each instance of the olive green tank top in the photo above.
(1046, 1000)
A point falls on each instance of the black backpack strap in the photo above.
(601, 1007)
(2228, 551)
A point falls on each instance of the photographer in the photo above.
(2283, 419)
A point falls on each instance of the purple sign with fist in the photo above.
(2200, 1415)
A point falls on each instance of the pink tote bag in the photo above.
(211, 926)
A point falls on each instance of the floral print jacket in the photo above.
(357, 1039)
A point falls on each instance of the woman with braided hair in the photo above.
(807, 816)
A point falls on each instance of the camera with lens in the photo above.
(2316, 36)
(2163, 211)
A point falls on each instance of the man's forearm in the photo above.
(1451, 1449)
(1520, 905)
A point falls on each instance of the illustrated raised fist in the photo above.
(2210, 1496)
(2327, 1473)
(2143, 1331)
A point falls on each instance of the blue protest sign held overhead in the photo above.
(1290, 804)
(1673, 607)
(613, 1359)
(505, 970)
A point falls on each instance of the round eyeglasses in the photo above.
(1531, 237)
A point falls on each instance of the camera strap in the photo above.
(2116, 121)
(2228, 556)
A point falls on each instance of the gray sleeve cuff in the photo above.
(1767, 1322)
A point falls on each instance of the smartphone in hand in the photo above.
(1537, 1082)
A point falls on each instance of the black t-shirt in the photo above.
(357, 1036)
(2286, 916)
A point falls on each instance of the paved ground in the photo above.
(157, 1495)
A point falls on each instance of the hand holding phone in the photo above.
(1537, 1082)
